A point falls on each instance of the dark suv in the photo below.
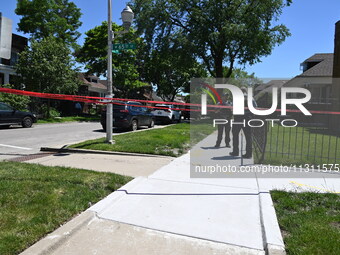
(129, 115)
(9, 116)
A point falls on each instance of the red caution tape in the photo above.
(120, 101)
(99, 100)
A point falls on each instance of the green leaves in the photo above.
(218, 32)
(16, 101)
(44, 18)
(46, 66)
(127, 64)
(170, 69)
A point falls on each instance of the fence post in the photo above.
(242, 148)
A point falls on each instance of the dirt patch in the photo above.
(335, 225)
(285, 234)
(30, 157)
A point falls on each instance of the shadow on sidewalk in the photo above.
(211, 148)
(225, 158)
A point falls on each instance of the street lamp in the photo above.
(127, 17)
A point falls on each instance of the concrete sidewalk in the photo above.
(128, 165)
(170, 213)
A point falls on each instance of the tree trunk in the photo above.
(231, 67)
(219, 72)
(219, 67)
(48, 108)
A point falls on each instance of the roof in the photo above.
(98, 86)
(323, 68)
(104, 83)
(271, 84)
(93, 86)
(319, 57)
(155, 97)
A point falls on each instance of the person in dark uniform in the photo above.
(224, 113)
(78, 108)
(240, 119)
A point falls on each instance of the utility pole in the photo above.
(109, 108)
(127, 17)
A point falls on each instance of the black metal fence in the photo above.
(309, 143)
(302, 145)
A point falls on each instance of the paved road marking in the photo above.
(317, 188)
(15, 147)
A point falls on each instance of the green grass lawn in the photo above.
(301, 146)
(170, 141)
(35, 200)
(69, 119)
(309, 222)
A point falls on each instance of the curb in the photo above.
(67, 122)
(101, 205)
(71, 150)
(272, 238)
(57, 238)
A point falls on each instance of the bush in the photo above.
(18, 102)
(93, 111)
(54, 113)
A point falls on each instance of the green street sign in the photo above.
(123, 46)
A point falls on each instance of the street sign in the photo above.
(123, 46)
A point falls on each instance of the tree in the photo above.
(47, 66)
(170, 69)
(127, 64)
(16, 101)
(44, 18)
(241, 78)
(219, 32)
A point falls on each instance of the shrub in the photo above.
(54, 113)
(16, 101)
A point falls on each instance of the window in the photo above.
(2, 79)
(6, 62)
(119, 106)
(136, 108)
(5, 107)
(14, 58)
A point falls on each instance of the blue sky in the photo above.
(311, 23)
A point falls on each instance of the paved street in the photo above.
(17, 141)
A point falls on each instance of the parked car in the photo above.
(10, 116)
(191, 112)
(129, 115)
(186, 113)
(166, 113)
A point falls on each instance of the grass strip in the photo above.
(169, 141)
(35, 200)
(68, 119)
(310, 222)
